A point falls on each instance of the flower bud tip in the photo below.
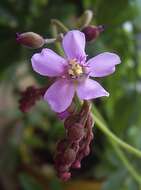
(92, 32)
(30, 39)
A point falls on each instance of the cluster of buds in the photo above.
(34, 40)
(29, 97)
(76, 144)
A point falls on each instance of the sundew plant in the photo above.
(72, 89)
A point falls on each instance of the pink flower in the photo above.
(73, 72)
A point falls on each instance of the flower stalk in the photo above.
(126, 162)
(85, 19)
(54, 35)
(59, 25)
(116, 142)
(103, 127)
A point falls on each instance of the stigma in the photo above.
(75, 69)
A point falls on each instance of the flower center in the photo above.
(75, 69)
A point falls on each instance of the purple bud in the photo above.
(75, 132)
(58, 159)
(92, 32)
(71, 120)
(69, 156)
(65, 176)
(87, 151)
(62, 145)
(30, 39)
(76, 165)
(62, 168)
(29, 97)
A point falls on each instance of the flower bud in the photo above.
(30, 39)
(75, 132)
(65, 176)
(87, 151)
(76, 164)
(29, 97)
(69, 156)
(92, 32)
(62, 145)
(71, 120)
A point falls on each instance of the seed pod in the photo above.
(30, 39)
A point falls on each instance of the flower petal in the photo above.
(103, 64)
(48, 63)
(60, 95)
(74, 45)
(90, 89)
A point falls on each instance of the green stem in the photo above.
(126, 162)
(85, 19)
(57, 44)
(59, 24)
(115, 141)
(103, 127)
(50, 40)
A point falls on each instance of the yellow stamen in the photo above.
(75, 69)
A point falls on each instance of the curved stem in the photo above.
(57, 44)
(59, 24)
(126, 162)
(85, 19)
(50, 40)
(103, 127)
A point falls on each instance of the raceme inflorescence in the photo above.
(73, 80)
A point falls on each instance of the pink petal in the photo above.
(90, 89)
(103, 64)
(74, 45)
(60, 95)
(48, 63)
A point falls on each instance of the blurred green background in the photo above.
(27, 141)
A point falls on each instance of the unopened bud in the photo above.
(87, 151)
(30, 39)
(65, 176)
(75, 132)
(92, 32)
(69, 156)
(71, 120)
(76, 164)
(62, 145)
